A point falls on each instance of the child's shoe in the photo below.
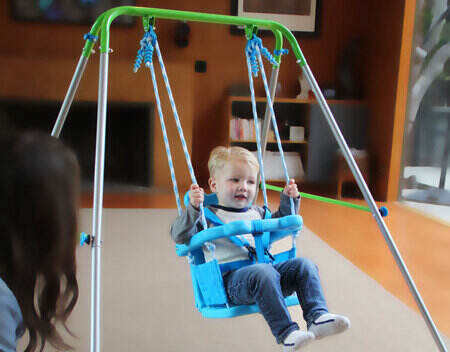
(297, 339)
(329, 324)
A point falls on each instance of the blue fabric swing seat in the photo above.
(209, 292)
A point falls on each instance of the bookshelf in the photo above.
(289, 113)
(294, 113)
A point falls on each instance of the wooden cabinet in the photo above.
(317, 147)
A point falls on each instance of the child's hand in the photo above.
(291, 189)
(196, 195)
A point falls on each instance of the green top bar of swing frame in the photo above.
(104, 21)
(323, 199)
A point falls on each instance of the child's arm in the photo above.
(290, 191)
(185, 225)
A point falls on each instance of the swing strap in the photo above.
(258, 253)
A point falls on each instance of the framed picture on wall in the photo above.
(299, 16)
(67, 11)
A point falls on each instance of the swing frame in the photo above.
(101, 28)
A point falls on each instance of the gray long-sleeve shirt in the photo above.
(188, 224)
(11, 321)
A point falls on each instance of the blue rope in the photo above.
(274, 124)
(145, 53)
(251, 50)
(166, 140)
(257, 133)
(250, 67)
(179, 128)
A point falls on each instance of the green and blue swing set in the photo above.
(207, 282)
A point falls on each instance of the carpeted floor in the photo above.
(147, 299)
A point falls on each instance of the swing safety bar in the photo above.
(101, 29)
(287, 223)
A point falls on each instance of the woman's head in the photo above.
(39, 190)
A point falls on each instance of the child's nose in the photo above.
(243, 185)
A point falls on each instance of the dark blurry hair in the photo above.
(39, 195)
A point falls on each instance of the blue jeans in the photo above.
(268, 284)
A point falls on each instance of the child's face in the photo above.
(235, 184)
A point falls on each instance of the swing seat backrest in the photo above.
(209, 292)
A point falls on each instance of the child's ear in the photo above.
(212, 184)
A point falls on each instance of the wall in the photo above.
(37, 62)
(384, 40)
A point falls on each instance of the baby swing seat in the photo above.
(209, 292)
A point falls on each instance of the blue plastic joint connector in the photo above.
(384, 211)
(91, 37)
(85, 239)
(277, 52)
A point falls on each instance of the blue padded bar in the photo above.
(290, 222)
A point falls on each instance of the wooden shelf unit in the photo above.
(300, 112)
(288, 112)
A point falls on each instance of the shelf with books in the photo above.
(292, 122)
(305, 134)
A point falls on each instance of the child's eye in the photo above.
(234, 180)
(251, 182)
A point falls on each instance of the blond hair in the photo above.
(221, 155)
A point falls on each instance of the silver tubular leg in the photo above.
(69, 96)
(267, 114)
(373, 207)
(98, 204)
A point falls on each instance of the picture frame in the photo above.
(300, 16)
(81, 12)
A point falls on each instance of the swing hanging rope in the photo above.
(254, 61)
(148, 44)
(253, 51)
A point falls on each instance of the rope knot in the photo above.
(251, 49)
(145, 53)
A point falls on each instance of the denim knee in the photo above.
(305, 266)
(264, 274)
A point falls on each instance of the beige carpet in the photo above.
(148, 302)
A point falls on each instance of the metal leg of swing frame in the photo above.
(81, 66)
(267, 114)
(98, 203)
(98, 182)
(373, 207)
